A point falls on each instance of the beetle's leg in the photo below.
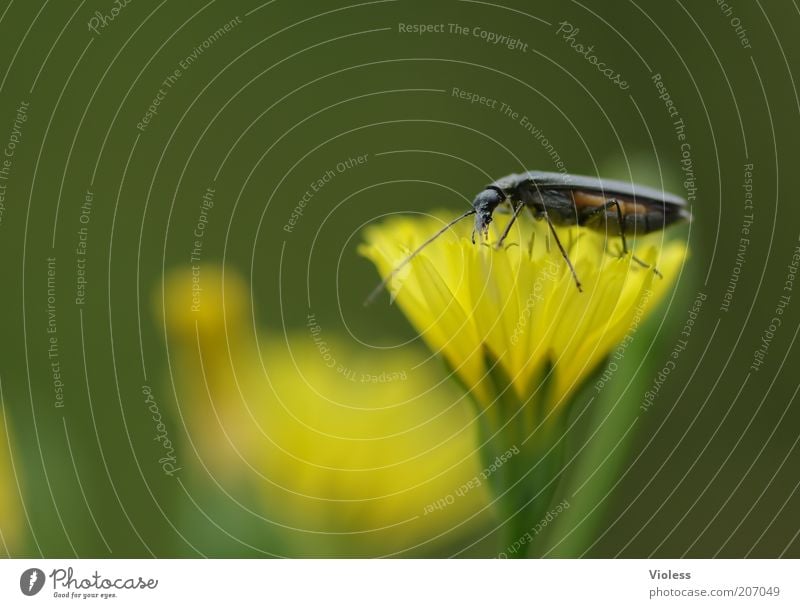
(563, 251)
(644, 264)
(615, 203)
(602, 209)
(514, 215)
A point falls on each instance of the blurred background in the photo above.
(186, 366)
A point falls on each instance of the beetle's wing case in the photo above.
(609, 188)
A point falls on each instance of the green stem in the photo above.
(524, 480)
(522, 454)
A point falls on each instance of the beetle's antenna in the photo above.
(411, 256)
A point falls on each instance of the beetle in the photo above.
(567, 200)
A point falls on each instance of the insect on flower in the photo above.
(567, 200)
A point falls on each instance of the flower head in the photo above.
(515, 312)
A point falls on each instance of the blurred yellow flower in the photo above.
(354, 452)
(517, 308)
(10, 506)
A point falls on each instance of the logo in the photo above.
(31, 581)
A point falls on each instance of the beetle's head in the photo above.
(484, 205)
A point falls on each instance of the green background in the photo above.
(710, 469)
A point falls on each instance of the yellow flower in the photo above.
(348, 449)
(10, 506)
(375, 449)
(517, 310)
(512, 326)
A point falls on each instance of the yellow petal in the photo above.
(520, 303)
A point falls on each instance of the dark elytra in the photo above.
(583, 201)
